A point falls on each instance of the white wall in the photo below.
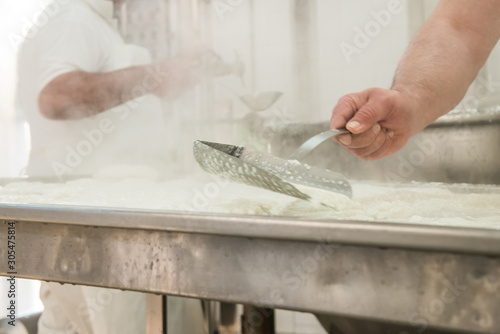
(375, 64)
(14, 140)
(271, 64)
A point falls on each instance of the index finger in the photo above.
(346, 108)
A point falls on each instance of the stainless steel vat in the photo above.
(359, 277)
(459, 147)
(386, 277)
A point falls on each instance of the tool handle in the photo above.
(314, 141)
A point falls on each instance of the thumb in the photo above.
(364, 119)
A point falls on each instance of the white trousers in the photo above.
(88, 310)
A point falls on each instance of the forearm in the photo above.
(445, 57)
(436, 72)
(78, 94)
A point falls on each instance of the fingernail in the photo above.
(376, 129)
(353, 125)
(346, 139)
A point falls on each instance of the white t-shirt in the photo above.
(78, 36)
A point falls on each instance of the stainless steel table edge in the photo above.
(375, 234)
(348, 269)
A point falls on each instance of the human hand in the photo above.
(381, 122)
(177, 76)
(194, 51)
(184, 71)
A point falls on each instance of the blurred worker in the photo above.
(432, 78)
(73, 71)
(91, 100)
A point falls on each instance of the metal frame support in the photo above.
(156, 314)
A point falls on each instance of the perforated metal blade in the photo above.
(243, 165)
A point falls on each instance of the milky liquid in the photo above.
(139, 187)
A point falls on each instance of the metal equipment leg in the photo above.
(222, 318)
(212, 316)
(257, 320)
(156, 314)
(229, 319)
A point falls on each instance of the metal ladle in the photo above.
(214, 66)
(260, 101)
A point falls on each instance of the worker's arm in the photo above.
(79, 94)
(440, 64)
